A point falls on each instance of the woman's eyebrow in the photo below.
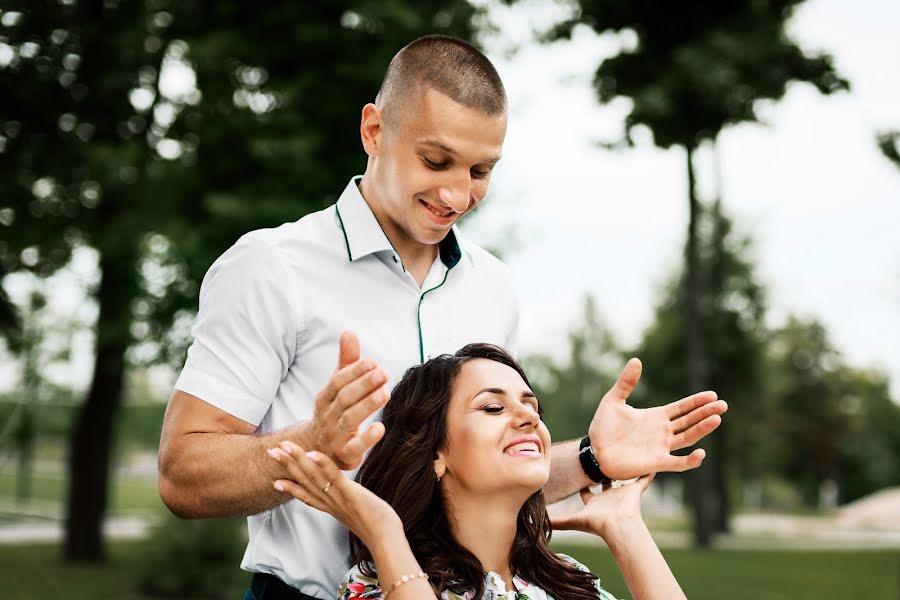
(502, 392)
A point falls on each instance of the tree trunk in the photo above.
(700, 492)
(92, 436)
(719, 442)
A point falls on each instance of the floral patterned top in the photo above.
(357, 586)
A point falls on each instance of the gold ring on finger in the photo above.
(327, 487)
(341, 425)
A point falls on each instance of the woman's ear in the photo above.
(440, 467)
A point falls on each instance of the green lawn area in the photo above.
(33, 571)
(129, 494)
(764, 575)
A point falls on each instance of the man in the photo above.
(385, 263)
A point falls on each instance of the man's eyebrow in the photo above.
(444, 147)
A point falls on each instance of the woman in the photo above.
(449, 504)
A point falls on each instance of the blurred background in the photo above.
(711, 186)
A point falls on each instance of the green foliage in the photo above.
(889, 143)
(157, 133)
(191, 559)
(698, 67)
(832, 422)
(569, 390)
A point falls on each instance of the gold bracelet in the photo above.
(402, 580)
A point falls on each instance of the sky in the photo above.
(809, 186)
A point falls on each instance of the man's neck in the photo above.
(417, 257)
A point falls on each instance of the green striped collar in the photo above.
(363, 234)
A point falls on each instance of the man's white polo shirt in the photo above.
(272, 309)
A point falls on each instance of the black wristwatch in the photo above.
(589, 462)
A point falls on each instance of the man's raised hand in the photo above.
(355, 391)
(630, 442)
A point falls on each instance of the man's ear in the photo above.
(371, 128)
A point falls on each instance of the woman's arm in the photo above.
(646, 572)
(615, 515)
(319, 483)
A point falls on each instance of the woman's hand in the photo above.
(613, 505)
(316, 481)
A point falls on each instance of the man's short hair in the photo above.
(446, 64)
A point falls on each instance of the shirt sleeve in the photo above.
(245, 335)
(357, 586)
(603, 593)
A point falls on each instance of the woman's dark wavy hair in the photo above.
(400, 470)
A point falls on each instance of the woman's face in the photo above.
(496, 439)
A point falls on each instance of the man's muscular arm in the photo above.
(630, 442)
(212, 464)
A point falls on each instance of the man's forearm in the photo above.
(566, 475)
(224, 474)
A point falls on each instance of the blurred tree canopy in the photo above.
(570, 387)
(889, 143)
(693, 69)
(156, 133)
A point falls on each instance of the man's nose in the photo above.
(457, 195)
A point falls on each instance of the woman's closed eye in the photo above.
(492, 408)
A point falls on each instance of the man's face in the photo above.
(434, 166)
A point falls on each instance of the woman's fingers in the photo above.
(644, 482)
(301, 493)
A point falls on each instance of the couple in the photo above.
(386, 262)
(449, 503)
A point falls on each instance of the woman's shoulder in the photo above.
(573, 562)
(581, 567)
(357, 584)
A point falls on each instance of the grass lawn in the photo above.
(34, 571)
(129, 494)
(764, 575)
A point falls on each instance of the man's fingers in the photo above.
(698, 414)
(346, 375)
(349, 349)
(354, 416)
(354, 450)
(678, 464)
(697, 432)
(359, 389)
(628, 378)
(685, 405)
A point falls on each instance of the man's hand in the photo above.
(629, 442)
(354, 392)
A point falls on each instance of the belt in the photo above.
(268, 587)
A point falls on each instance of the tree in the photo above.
(815, 410)
(156, 133)
(695, 69)
(889, 143)
(735, 334)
